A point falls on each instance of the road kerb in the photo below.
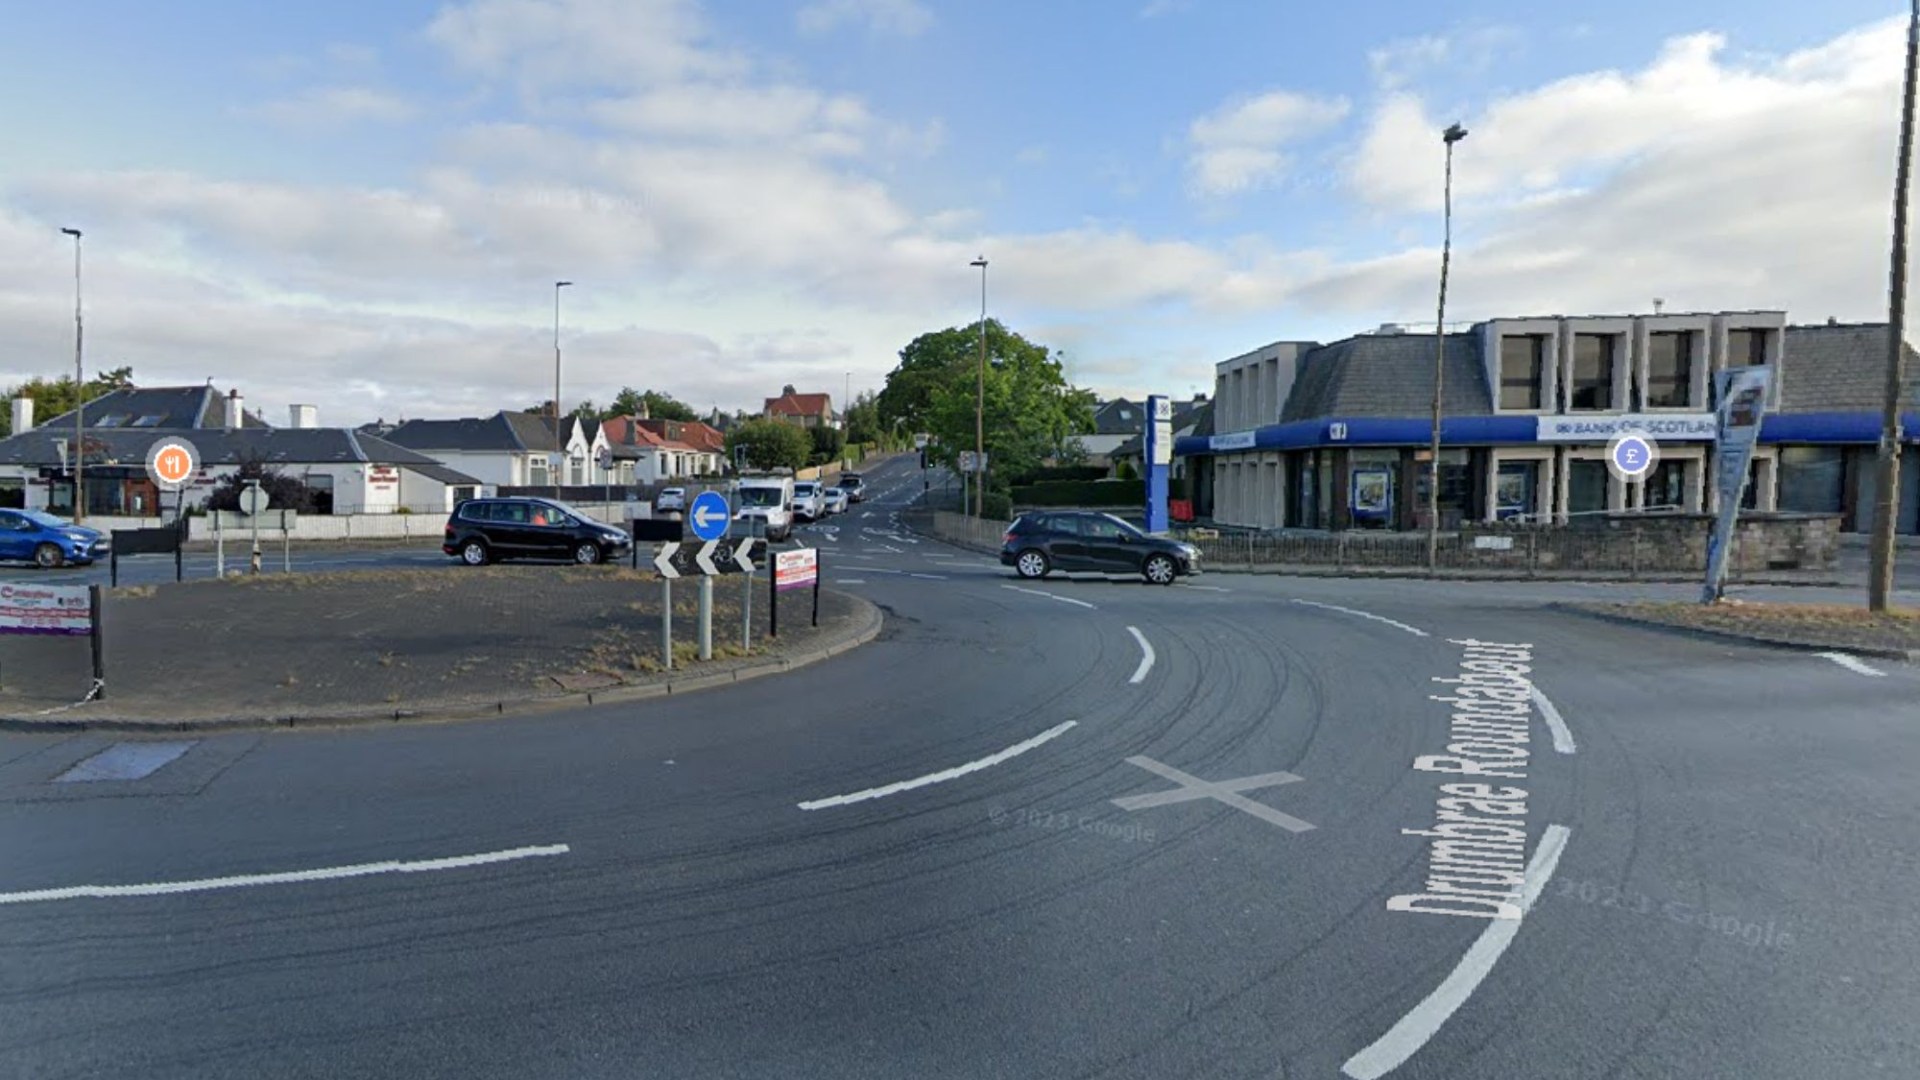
(866, 626)
(1717, 634)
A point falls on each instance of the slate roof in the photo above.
(288, 446)
(1107, 418)
(1840, 368)
(1388, 375)
(169, 407)
(503, 432)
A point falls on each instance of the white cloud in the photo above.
(903, 18)
(1469, 51)
(1238, 146)
(334, 106)
(548, 43)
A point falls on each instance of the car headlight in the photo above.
(1192, 552)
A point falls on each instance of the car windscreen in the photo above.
(760, 496)
(1125, 527)
(45, 521)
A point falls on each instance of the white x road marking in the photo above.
(1226, 791)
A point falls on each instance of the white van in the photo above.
(766, 505)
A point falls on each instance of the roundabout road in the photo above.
(909, 860)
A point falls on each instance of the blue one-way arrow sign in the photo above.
(710, 515)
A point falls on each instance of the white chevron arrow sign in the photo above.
(704, 559)
(663, 561)
(743, 556)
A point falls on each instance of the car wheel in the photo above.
(1159, 569)
(48, 556)
(1032, 564)
(475, 553)
(586, 553)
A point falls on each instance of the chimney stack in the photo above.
(304, 416)
(22, 414)
(234, 406)
(1658, 304)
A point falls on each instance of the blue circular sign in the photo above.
(1632, 455)
(709, 515)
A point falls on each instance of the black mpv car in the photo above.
(485, 530)
(1078, 540)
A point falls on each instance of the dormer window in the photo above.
(112, 420)
(1746, 348)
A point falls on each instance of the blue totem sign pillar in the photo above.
(1159, 459)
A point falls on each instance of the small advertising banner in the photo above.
(795, 569)
(45, 609)
(1372, 494)
(1743, 402)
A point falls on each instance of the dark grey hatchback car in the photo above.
(1079, 540)
(488, 530)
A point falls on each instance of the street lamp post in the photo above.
(79, 392)
(1886, 502)
(559, 443)
(980, 402)
(1452, 135)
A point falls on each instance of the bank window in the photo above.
(1522, 363)
(1592, 372)
(1669, 370)
(1666, 486)
(1746, 348)
(1811, 479)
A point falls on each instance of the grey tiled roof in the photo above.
(1108, 421)
(177, 408)
(499, 432)
(1388, 375)
(1840, 369)
(290, 446)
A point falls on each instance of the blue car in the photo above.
(48, 541)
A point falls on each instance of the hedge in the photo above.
(996, 506)
(1064, 472)
(1082, 493)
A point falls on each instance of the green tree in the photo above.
(929, 362)
(658, 406)
(827, 444)
(51, 397)
(1031, 412)
(284, 490)
(863, 419)
(771, 444)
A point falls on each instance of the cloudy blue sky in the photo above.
(364, 205)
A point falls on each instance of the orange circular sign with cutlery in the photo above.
(172, 464)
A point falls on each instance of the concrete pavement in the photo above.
(908, 860)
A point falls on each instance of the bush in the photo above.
(1082, 493)
(997, 506)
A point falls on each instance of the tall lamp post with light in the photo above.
(559, 442)
(79, 392)
(1452, 135)
(980, 402)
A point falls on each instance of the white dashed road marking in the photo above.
(1363, 615)
(1852, 663)
(1405, 1038)
(290, 877)
(1048, 595)
(943, 775)
(1146, 655)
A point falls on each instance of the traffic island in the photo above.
(1894, 634)
(384, 645)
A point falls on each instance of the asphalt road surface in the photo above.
(909, 860)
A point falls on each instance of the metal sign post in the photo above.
(816, 589)
(663, 562)
(706, 616)
(97, 634)
(252, 502)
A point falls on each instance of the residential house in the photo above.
(507, 449)
(653, 451)
(1188, 418)
(807, 410)
(1114, 422)
(1329, 436)
(351, 472)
